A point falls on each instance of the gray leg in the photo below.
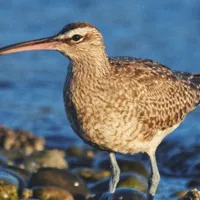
(115, 172)
(154, 177)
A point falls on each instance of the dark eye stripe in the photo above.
(70, 40)
(65, 40)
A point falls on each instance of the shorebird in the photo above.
(118, 104)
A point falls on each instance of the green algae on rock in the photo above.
(131, 180)
(8, 191)
(49, 193)
(90, 174)
(125, 165)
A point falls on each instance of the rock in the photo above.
(91, 175)
(77, 156)
(3, 160)
(50, 158)
(194, 183)
(9, 177)
(20, 140)
(8, 186)
(125, 165)
(60, 178)
(48, 193)
(76, 151)
(27, 193)
(14, 156)
(130, 180)
(191, 195)
(25, 174)
(122, 194)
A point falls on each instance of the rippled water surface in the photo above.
(31, 82)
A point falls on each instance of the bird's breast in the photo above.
(100, 114)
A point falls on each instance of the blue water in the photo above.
(31, 82)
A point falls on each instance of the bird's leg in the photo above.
(154, 177)
(115, 173)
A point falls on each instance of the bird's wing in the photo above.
(165, 96)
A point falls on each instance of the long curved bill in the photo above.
(49, 43)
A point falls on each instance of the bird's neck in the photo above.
(91, 67)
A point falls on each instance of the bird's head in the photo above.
(75, 41)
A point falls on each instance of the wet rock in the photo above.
(125, 165)
(122, 194)
(3, 160)
(9, 177)
(191, 195)
(129, 180)
(194, 183)
(20, 140)
(8, 186)
(50, 158)
(25, 174)
(76, 151)
(14, 156)
(132, 180)
(48, 193)
(27, 193)
(77, 156)
(91, 175)
(7, 191)
(59, 178)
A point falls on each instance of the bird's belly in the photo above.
(113, 131)
(106, 128)
(102, 126)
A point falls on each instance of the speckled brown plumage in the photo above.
(140, 98)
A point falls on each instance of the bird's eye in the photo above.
(76, 37)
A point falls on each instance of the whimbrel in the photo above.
(118, 104)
